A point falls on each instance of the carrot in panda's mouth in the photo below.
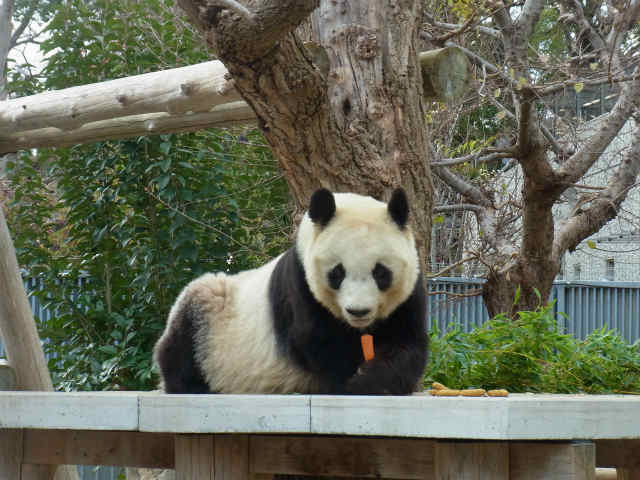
(367, 346)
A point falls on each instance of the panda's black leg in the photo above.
(175, 352)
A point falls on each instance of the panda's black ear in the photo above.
(399, 207)
(322, 207)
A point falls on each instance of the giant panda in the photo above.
(294, 324)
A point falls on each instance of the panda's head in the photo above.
(358, 254)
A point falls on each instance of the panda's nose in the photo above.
(358, 312)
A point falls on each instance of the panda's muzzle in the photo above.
(358, 312)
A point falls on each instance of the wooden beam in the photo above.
(472, 460)
(17, 326)
(176, 100)
(196, 88)
(446, 74)
(342, 456)
(86, 447)
(234, 113)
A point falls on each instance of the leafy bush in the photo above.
(531, 354)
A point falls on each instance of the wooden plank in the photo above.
(10, 454)
(471, 460)
(225, 413)
(618, 453)
(194, 457)
(567, 417)
(86, 447)
(232, 457)
(627, 474)
(71, 411)
(517, 417)
(342, 456)
(560, 461)
(411, 416)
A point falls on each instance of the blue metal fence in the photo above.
(587, 305)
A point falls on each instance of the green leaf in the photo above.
(438, 219)
(578, 87)
(165, 147)
(163, 181)
(591, 244)
(517, 296)
(165, 164)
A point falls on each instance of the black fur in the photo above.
(175, 354)
(330, 349)
(399, 207)
(322, 207)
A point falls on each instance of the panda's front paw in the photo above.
(364, 383)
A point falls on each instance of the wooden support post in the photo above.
(10, 454)
(535, 460)
(21, 340)
(194, 457)
(471, 460)
(232, 457)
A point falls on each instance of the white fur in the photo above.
(360, 235)
(240, 355)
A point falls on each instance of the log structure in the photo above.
(169, 101)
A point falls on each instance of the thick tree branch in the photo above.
(463, 187)
(237, 32)
(580, 162)
(603, 207)
(578, 17)
(528, 18)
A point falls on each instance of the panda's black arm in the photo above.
(401, 348)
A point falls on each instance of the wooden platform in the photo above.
(237, 436)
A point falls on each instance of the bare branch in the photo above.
(492, 32)
(462, 186)
(471, 293)
(580, 162)
(457, 208)
(452, 266)
(478, 60)
(603, 206)
(23, 25)
(479, 157)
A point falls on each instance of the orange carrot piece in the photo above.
(367, 346)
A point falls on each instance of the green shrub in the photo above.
(531, 354)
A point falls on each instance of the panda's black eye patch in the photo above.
(383, 276)
(335, 276)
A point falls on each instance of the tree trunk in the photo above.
(515, 289)
(345, 113)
